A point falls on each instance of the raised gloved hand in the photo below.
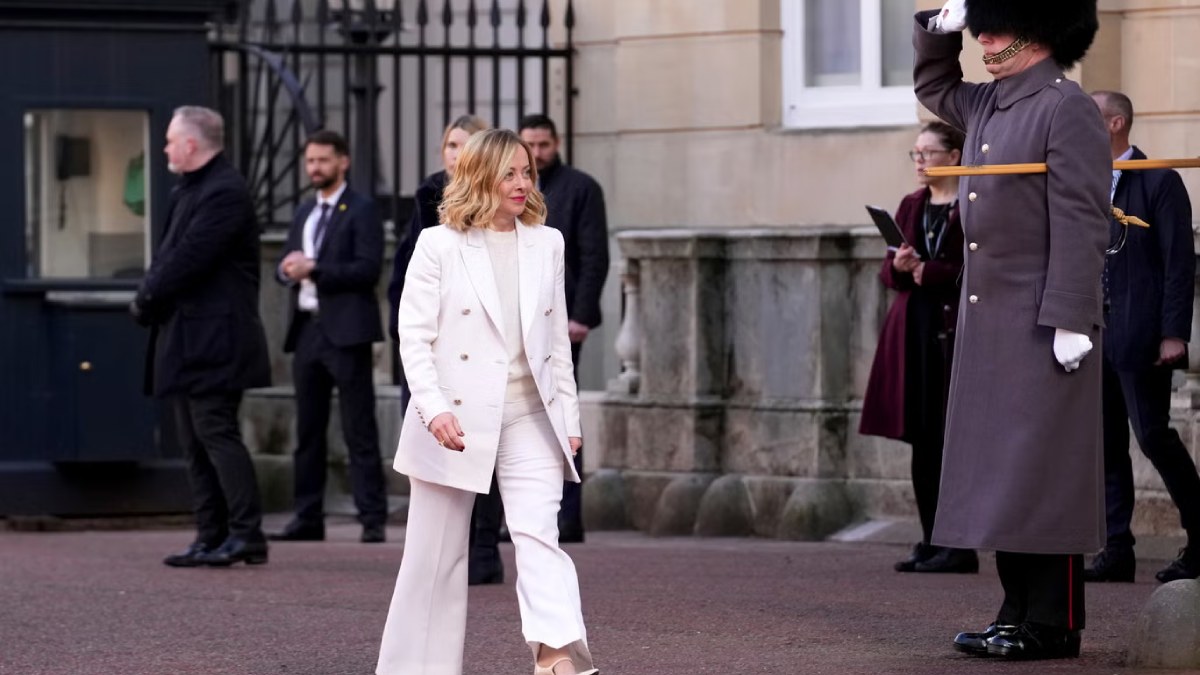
(952, 18)
(1070, 348)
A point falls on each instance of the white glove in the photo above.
(952, 18)
(1070, 348)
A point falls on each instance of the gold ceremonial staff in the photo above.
(1040, 167)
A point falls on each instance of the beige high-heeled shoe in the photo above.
(549, 670)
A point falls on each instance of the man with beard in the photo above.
(332, 262)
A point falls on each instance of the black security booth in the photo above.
(88, 91)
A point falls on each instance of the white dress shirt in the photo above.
(308, 290)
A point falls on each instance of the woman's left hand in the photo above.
(576, 443)
(918, 273)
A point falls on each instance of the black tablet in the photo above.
(887, 226)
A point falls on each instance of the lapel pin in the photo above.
(341, 207)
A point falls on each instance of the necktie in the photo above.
(319, 230)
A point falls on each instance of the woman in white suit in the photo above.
(483, 339)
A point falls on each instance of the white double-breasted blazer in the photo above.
(455, 358)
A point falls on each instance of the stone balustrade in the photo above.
(745, 354)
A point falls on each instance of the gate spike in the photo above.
(322, 12)
(398, 19)
(472, 14)
(545, 19)
(297, 13)
(422, 13)
(570, 15)
(494, 15)
(271, 20)
(521, 13)
(447, 14)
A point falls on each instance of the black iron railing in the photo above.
(389, 74)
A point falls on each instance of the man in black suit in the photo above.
(332, 262)
(1148, 286)
(207, 346)
(575, 207)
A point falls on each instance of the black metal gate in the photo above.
(388, 74)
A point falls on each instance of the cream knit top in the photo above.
(502, 249)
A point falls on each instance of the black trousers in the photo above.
(317, 367)
(1143, 399)
(1046, 590)
(926, 482)
(488, 512)
(225, 494)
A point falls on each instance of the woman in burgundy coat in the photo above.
(906, 393)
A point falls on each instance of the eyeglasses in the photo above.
(924, 155)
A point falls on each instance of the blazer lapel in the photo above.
(529, 275)
(479, 269)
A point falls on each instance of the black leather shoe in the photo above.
(373, 534)
(1112, 565)
(485, 566)
(976, 643)
(1031, 642)
(298, 531)
(189, 557)
(236, 549)
(950, 561)
(920, 553)
(1186, 566)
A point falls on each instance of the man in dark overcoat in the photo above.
(207, 345)
(1022, 472)
(1149, 285)
(575, 207)
(331, 263)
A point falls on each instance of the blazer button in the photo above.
(464, 357)
(466, 312)
(973, 299)
(973, 246)
(458, 401)
(985, 148)
(972, 196)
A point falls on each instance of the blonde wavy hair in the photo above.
(471, 124)
(473, 196)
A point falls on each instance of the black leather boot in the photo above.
(976, 644)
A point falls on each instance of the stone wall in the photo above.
(746, 354)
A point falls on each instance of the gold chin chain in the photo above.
(1009, 52)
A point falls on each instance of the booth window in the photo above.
(85, 193)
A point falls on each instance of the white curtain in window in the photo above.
(832, 38)
(897, 26)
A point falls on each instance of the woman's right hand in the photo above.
(446, 431)
(906, 259)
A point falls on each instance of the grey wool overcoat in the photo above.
(1023, 465)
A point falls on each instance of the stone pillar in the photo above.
(748, 348)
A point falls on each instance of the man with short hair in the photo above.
(207, 345)
(575, 207)
(1149, 285)
(331, 263)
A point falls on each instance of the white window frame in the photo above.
(869, 104)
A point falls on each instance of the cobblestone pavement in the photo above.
(101, 603)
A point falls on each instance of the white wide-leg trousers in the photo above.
(427, 620)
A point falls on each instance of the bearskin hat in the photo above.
(1066, 27)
